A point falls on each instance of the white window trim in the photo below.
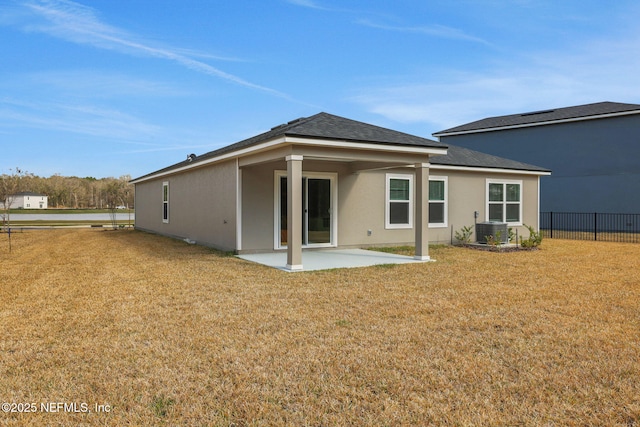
(165, 184)
(505, 181)
(387, 213)
(446, 202)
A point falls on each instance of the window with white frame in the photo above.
(438, 201)
(165, 202)
(399, 201)
(504, 201)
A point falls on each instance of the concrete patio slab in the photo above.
(330, 258)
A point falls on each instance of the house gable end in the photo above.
(320, 127)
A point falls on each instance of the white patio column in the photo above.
(422, 211)
(294, 212)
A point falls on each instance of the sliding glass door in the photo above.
(316, 213)
(317, 210)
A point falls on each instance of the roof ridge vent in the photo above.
(299, 119)
(292, 122)
(533, 113)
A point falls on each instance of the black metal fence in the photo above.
(610, 227)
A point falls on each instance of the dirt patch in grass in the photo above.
(169, 333)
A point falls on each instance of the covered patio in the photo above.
(293, 234)
(330, 258)
(314, 159)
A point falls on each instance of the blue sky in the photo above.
(107, 88)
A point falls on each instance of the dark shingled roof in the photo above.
(320, 126)
(588, 111)
(328, 126)
(459, 156)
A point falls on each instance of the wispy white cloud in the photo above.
(75, 118)
(312, 4)
(598, 70)
(306, 3)
(90, 84)
(109, 126)
(435, 30)
(204, 55)
(80, 24)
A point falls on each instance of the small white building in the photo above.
(29, 200)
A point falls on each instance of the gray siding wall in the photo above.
(258, 200)
(361, 204)
(258, 206)
(467, 194)
(595, 163)
(362, 208)
(202, 206)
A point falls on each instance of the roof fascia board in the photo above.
(488, 170)
(225, 156)
(284, 140)
(367, 146)
(548, 122)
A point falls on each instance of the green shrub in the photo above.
(464, 235)
(534, 240)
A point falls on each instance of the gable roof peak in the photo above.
(329, 126)
(319, 127)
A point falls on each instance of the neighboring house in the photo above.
(593, 150)
(29, 200)
(352, 185)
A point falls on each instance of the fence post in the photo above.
(595, 226)
(551, 223)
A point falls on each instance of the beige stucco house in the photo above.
(324, 182)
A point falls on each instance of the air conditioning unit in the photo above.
(485, 229)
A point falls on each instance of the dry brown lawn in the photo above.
(171, 334)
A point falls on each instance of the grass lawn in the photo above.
(167, 333)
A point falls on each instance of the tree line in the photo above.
(71, 191)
